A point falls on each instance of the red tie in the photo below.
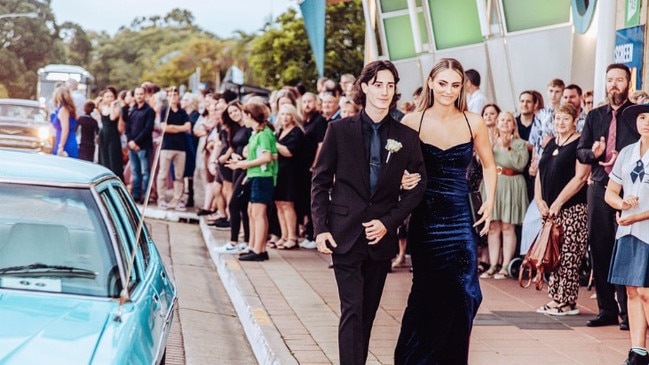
(610, 141)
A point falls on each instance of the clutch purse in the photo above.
(475, 202)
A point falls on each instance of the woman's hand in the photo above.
(629, 202)
(409, 181)
(485, 211)
(234, 165)
(626, 221)
(555, 208)
(543, 208)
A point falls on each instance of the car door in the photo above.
(159, 287)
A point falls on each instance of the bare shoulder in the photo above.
(412, 120)
(476, 122)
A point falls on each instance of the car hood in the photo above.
(42, 329)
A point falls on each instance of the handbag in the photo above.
(543, 256)
(475, 202)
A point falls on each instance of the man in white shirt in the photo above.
(77, 96)
(475, 99)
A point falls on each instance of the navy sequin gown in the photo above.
(445, 293)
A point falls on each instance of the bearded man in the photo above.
(605, 133)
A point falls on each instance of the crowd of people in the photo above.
(284, 173)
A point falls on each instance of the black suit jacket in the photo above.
(595, 127)
(340, 191)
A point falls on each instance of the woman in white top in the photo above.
(630, 262)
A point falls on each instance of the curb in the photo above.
(265, 340)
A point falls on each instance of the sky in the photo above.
(221, 17)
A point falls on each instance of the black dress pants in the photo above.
(601, 237)
(360, 286)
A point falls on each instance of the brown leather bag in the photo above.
(543, 256)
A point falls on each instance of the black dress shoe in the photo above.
(600, 321)
(624, 325)
(253, 256)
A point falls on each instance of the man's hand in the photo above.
(321, 242)
(133, 146)
(611, 161)
(374, 231)
(599, 147)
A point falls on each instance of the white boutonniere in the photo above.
(392, 146)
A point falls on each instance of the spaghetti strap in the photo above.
(467, 123)
(421, 121)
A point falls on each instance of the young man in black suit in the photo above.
(357, 201)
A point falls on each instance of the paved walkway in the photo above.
(289, 309)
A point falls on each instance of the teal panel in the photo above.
(394, 5)
(399, 37)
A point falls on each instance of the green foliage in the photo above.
(167, 49)
(282, 55)
(27, 44)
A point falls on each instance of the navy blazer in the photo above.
(340, 191)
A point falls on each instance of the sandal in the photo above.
(284, 245)
(278, 244)
(489, 273)
(482, 267)
(398, 262)
(547, 307)
(502, 274)
(564, 309)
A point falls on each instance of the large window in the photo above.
(529, 14)
(455, 23)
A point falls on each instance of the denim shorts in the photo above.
(261, 190)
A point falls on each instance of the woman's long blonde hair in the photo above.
(427, 99)
(63, 98)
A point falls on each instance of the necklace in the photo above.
(556, 151)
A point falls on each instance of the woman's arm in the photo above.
(284, 151)
(613, 198)
(264, 158)
(484, 151)
(582, 171)
(538, 197)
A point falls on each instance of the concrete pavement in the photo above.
(289, 309)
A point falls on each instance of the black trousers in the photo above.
(238, 207)
(601, 237)
(360, 286)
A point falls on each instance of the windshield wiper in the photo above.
(38, 269)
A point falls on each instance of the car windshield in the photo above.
(23, 112)
(53, 239)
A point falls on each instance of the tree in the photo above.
(76, 42)
(27, 45)
(282, 55)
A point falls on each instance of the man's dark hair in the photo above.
(473, 76)
(532, 93)
(368, 75)
(574, 87)
(622, 67)
(230, 95)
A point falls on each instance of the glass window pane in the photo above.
(455, 23)
(529, 14)
(398, 32)
(394, 5)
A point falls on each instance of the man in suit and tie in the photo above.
(357, 201)
(605, 133)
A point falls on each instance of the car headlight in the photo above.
(44, 133)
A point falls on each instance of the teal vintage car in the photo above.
(81, 281)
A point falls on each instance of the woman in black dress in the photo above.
(289, 142)
(110, 144)
(445, 293)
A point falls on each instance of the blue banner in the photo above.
(629, 46)
(313, 13)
